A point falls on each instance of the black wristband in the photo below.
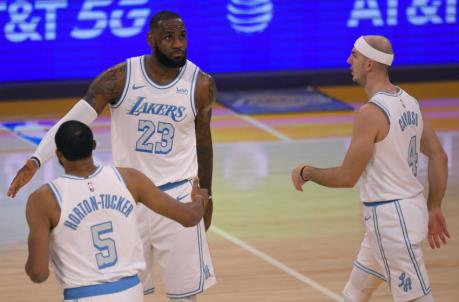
(36, 160)
(301, 174)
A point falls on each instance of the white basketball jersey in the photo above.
(392, 170)
(96, 239)
(153, 126)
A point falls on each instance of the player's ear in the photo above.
(59, 155)
(94, 144)
(151, 39)
(370, 64)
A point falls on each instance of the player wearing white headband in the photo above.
(389, 132)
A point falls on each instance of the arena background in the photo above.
(269, 243)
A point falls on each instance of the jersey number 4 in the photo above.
(413, 156)
(148, 128)
(107, 255)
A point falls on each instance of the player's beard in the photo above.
(166, 61)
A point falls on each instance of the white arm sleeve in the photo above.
(82, 112)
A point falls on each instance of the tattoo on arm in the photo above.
(206, 96)
(107, 87)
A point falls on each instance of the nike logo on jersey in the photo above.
(141, 106)
(134, 87)
(182, 197)
(367, 218)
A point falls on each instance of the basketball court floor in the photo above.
(269, 243)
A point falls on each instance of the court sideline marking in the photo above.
(264, 127)
(275, 263)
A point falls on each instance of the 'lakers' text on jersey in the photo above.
(393, 169)
(153, 127)
(96, 240)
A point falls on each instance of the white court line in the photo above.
(275, 263)
(264, 127)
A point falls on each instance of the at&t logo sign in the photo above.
(249, 16)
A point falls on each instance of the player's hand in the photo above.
(298, 179)
(23, 176)
(438, 232)
(198, 194)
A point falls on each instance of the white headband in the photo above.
(365, 49)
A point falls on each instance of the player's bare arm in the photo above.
(107, 87)
(206, 95)
(370, 126)
(143, 190)
(437, 177)
(40, 224)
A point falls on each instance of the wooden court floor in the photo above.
(268, 242)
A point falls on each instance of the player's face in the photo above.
(169, 45)
(357, 62)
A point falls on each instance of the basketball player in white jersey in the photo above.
(85, 222)
(388, 134)
(161, 110)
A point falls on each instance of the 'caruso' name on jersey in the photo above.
(94, 203)
(408, 118)
(174, 112)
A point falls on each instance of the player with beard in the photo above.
(160, 124)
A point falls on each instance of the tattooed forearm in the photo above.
(206, 96)
(107, 87)
(205, 163)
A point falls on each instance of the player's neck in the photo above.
(81, 168)
(159, 73)
(379, 83)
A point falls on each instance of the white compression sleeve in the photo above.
(82, 112)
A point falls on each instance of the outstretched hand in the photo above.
(438, 232)
(297, 178)
(23, 176)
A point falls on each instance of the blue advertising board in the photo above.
(55, 40)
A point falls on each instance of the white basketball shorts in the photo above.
(182, 253)
(391, 248)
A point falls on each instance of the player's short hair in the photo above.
(162, 15)
(75, 140)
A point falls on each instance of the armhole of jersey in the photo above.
(126, 85)
(56, 194)
(383, 108)
(194, 81)
(119, 176)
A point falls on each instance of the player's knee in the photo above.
(353, 293)
(185, 299)
(426, 298)
(360, 286)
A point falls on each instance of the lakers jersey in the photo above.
(393, 168)
(153, 128)
(96, 239)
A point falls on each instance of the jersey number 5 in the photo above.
(106, 246)
(413, 156)
(148, 128)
